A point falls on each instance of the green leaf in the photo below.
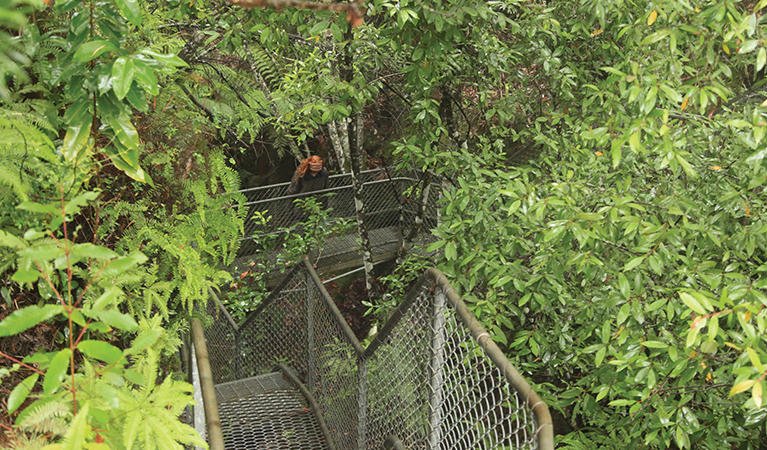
(655, 37)
(110, 395)
(624, 312)
(63, 6)
(100, 350)
(756, 394)
(435, 246)
(21, 392)
(107, 298)
(42, 252)
(126, 133)
(654, 344)
(74, 439)
(130, 430)
(131, 10)
(122, 76)
(166, 59)
(338, 35)
(28, 317)
(114, 319)
(450, 251)
(747, 46)
(633, 263)
(9, 240)
(145, 77)
(742, 387)
(80, 251)
(73, 206)
(692, 303)
(26, 275)
(93, 49)
(682, 439)
(600, 356)
(622, 402)
(120, 265)
(319, 27)
(755, 360)
(79, 117)
(56, 371)
(739, 123)
(143, 342)
(588, 216)
(39, 208)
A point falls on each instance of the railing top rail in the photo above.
(323, 191)
(331, 177)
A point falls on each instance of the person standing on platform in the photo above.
(309, 177)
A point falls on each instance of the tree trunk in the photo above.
(415, 228)
(354, 126)
(339, 137)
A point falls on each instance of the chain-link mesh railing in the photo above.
(391, 201)
(432, 377)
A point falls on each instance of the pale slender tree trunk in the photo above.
(339, 137)
(354, 126)
(338, 129)
(359, 206)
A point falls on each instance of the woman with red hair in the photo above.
(309, 177)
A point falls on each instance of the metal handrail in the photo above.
(323, 191)
(315, 409)
(287, 183)
(210, 406)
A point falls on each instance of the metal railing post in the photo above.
(436, 364)
(362, 404)
(309, 333)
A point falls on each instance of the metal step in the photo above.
(267, 412)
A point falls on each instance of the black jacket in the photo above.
(309, 183)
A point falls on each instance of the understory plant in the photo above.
(100, 389)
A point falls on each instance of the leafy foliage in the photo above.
(111, 396)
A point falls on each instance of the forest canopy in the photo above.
(602, 212)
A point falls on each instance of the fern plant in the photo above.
(189, 238)
(24, 147)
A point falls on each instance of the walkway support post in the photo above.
(212, 419)
(435, 369)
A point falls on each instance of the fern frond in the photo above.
(48, 419)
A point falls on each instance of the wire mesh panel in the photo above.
(221, 336)
(267, 411)
(333, 376)
(478, 409)
(276, 333)
(398, 375)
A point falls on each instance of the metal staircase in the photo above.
(431, 379)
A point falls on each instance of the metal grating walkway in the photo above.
(267, 412)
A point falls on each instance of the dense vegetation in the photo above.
(603, 212)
